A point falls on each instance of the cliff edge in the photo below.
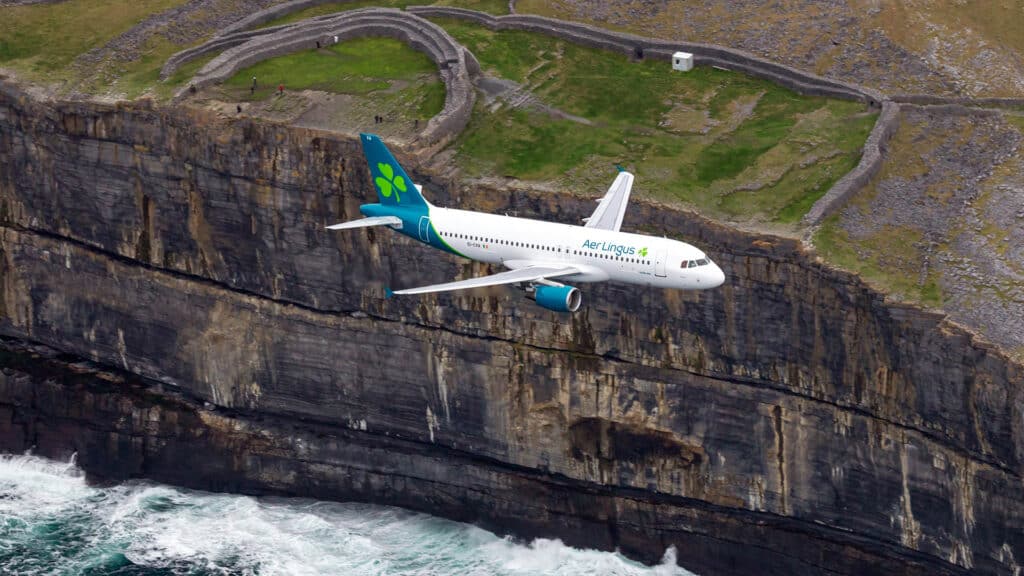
(172, 308)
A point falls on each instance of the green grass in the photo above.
(794, 146)
(432, 101)
(1015, 118)
(395, 74)
(41, 40)
(496, 7)
(355, 67)
(143, 75)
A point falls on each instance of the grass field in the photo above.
(41, 40)
(387, 68)
(727, 144)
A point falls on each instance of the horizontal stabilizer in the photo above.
(366, 222)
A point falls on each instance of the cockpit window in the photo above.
(702, 262)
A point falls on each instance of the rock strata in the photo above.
(792, 421)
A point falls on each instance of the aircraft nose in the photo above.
(716, 276)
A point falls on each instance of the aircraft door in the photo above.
(425, 228)
(659, 262)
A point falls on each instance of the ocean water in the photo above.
(53, 523)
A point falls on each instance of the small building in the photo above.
(682, 61)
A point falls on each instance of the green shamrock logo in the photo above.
(643, 252)
(387, 180)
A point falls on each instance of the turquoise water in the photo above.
(53, 523)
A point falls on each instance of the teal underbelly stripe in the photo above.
(438, 242)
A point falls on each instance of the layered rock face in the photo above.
(790, 421)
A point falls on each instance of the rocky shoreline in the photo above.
(793, 421)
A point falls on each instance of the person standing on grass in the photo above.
(280, 89)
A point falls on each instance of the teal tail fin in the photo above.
(394, 187)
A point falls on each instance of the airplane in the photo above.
(539, 255)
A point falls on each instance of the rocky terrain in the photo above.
(171, 307)
(179, 27)
(917, 46)
(165, 258)
(948, 208)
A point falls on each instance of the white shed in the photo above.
(682, 61)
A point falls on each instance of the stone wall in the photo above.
(249, 47)
(930, 100)
(792, 418)
(272, 13)
(870, 163)
(629, 44)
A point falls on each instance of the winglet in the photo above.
(620, 168)
(388, 294)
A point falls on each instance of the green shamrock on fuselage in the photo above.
(643, 252)
(387, 180)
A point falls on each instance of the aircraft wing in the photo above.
(528, 274)
(364, 222)
(612, 208)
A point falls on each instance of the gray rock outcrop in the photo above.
(792, 421)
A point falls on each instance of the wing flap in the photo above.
(528, 274)
(366, 222)
(612, 207)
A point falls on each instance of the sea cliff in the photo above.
(173, 308)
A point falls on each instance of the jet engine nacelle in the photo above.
(557, 298)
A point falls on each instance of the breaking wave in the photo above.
(52, 522)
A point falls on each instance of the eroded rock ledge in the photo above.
(119, 426)
(792, 421)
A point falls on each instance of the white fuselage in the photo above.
(600, 255)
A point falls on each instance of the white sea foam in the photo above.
(52, 521)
